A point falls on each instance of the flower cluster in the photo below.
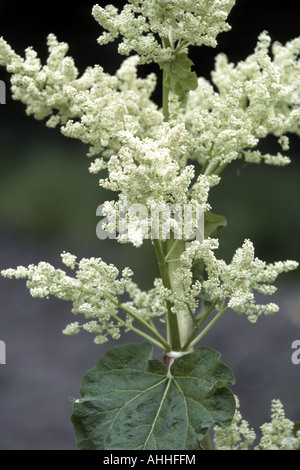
(147, 170)
(95, 292)
(144, 24)
(251, 100)
(152, 177)
(236, 282)
(278, 434)
(93, 107)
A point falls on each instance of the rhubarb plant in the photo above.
(162, 160)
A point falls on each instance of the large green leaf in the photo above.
(129, 401)
(178, 75)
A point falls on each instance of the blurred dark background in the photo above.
(48, 204)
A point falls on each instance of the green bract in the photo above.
(178, 75)
(213, 223)
(130, 401)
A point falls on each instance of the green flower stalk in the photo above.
(163, 160)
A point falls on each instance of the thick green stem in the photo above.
(171, 319)
(184, 319)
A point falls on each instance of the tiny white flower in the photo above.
(68, 259)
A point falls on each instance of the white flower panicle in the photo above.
(144, 24)
(92, 108)
(278, 434)
(256, 98)
(95, 292)
(237, 282)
